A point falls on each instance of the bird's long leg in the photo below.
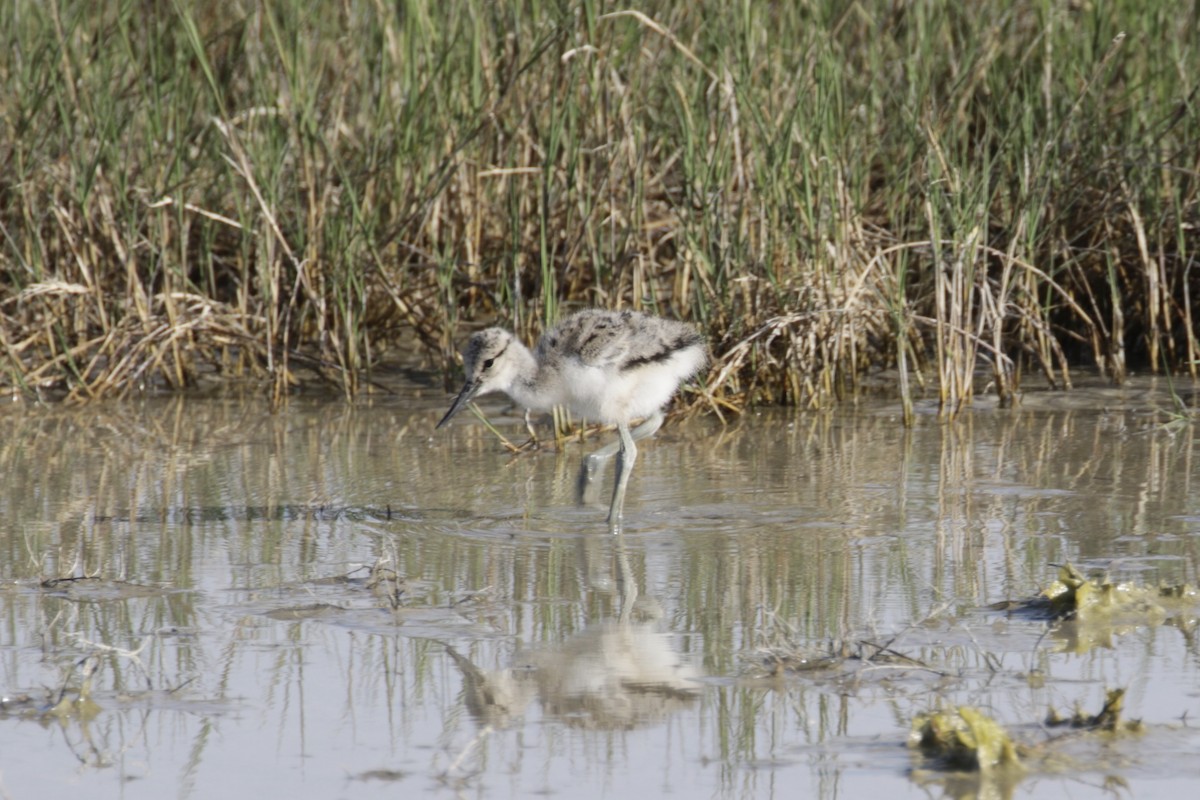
(593, 463)
(625, 460)
(532, 443)
(649, 426)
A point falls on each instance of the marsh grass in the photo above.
(288, 191)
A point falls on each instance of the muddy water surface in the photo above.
(335, 601)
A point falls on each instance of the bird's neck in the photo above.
(525, 386)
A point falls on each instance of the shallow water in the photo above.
(216, 560)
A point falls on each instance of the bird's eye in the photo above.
(488, 363)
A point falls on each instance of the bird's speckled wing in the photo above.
(625, 340)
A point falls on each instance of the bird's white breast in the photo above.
(607, 394)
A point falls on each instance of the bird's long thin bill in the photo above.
(464, 397)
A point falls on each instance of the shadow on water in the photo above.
(331, 599)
